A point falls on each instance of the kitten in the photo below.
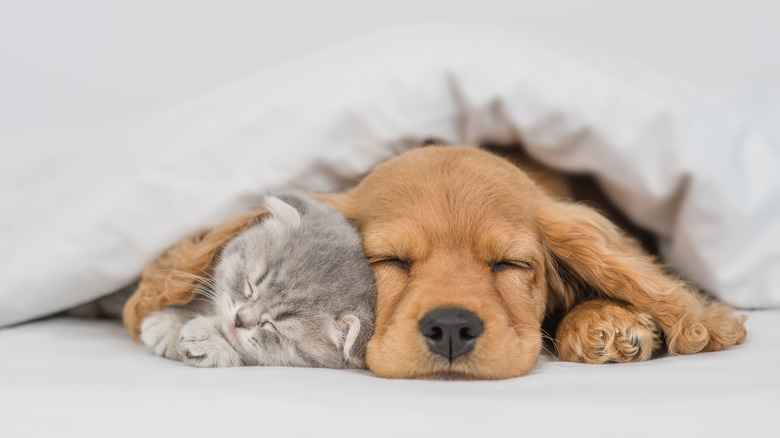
(292, 290)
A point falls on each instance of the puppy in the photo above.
(470, 255)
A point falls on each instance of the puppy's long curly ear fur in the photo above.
(172, 278)
(589, 254)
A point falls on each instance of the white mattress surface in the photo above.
(70, 377)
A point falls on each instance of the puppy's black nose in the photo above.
(451, 331)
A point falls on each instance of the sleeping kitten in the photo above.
(292, 290)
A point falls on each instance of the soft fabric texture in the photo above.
(66, 377)
(87, 223)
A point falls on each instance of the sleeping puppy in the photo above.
(470, 254)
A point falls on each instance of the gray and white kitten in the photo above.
(292, 290)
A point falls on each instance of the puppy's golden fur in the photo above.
(460, 227)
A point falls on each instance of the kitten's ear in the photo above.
(284, 213)
(352, 335)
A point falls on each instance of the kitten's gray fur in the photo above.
(293, 290)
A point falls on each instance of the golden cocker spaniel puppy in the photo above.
(470, 255)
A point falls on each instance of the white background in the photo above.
(71, 69)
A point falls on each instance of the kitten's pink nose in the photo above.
(239, 323)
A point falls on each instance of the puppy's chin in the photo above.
(432, 371)
(452, 375)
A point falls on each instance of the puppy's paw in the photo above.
(603, 331)
(159, 332)
(200, 344)
(716, 328)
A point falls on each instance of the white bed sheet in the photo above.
(70, 377)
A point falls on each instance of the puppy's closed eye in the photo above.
(392, 262)
(508, 265)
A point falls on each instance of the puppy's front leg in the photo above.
(606, 331)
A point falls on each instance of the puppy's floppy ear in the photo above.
(584, 249)
(170, 280)
(589, 254)
(345, 203)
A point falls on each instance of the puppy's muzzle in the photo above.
(451, 331)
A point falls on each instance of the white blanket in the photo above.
(86, 223)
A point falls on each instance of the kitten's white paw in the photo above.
(200, 344)
(159, 332)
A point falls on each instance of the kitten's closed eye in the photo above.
(260, 279)
(271, 324)
(281, 316)
(267, 323)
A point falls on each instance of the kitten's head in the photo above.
(295, 289)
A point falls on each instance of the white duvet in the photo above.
(79, 226)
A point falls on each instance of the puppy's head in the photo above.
(452, 235)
